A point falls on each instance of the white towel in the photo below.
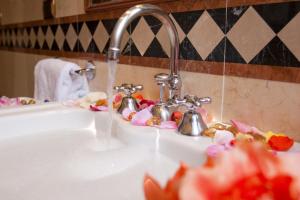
(55, 80)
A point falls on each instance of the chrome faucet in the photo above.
(192, 123)
(174, 81)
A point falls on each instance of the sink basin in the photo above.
(56, 152)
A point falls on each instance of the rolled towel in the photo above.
(56, 80)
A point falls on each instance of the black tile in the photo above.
(92, 26)
(77, 27)
(36, 29)
(44, 29)
(54, 28)
(155, 50)
(23, 45)
(10, 44)
(130, 49)
(64, 28)
(17, 44)
(45, 46)
(233, 15)
(187, 51)
(36, 45)
(277, 54)
(22, 31)
(54, 46)
(132, 25)
(66, 46)
(78, 47)
(109, 24)
(277, 15)
(92, 48)
(153, 23)
(29, 45)
(15, 31)
(232, 55)
(28, 30)
(186, 20)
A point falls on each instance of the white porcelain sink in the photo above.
(56, 152)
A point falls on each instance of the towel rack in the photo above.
(89, 70)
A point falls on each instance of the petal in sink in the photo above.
(223, 137)
(98, 108)
(167, 125)
(126, 113)
(141, 117)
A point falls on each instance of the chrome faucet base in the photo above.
(192, 124)
(130, 103)
(162, 111)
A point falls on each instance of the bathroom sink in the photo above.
(58, 152)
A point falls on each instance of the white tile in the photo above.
(101, 36)
(142, 36)
(250, 34)
(290, 35)
(205, 35)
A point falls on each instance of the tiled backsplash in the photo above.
(266, 34)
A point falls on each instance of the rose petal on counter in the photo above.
(214, 150)
(223, 137)
(141, 117)
(245, 128)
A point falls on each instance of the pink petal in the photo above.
(126, 112)
(118, 98)
(141, 117)
(214, 150)
(98, 108)
(167, 125)
(223, 137)
(245, 128)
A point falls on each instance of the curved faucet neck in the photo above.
(133, 13)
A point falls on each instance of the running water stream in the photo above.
(112, 68)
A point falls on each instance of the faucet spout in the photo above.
(133, 13)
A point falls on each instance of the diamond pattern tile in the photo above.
(275, 53)
(92, 26)
(100, 36)
(250, 34)
(205, 35)
(163, 38)
(59, 38)
(264, 34)
(186, 20)
(290, 35)
(278, 15)
(85, 36)
(25, 39)
(32, 38)
(142, 36)
(19, 38)
(49, 37)
(153, 23)
(13, 38)
(40, 37)
(71, 37)
(181, 34)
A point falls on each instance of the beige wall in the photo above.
(269, 105)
